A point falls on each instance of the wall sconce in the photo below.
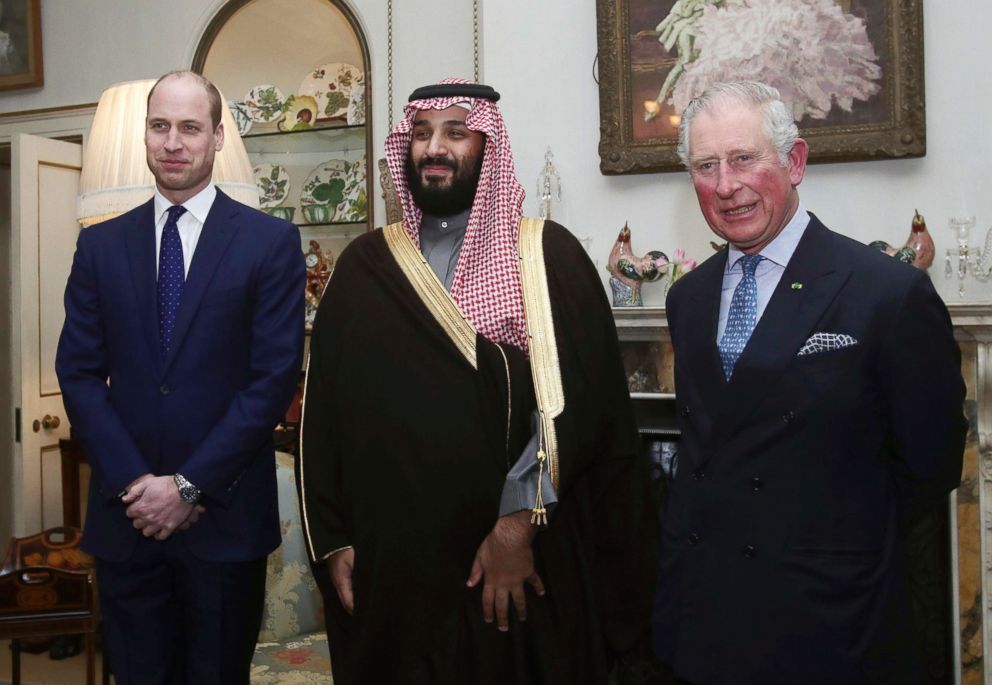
(965, 258)
(115, 176)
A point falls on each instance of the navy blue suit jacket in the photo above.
(780, 544)
(207, 409)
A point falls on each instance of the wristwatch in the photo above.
(188, 492)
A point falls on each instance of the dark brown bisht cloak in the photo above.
(405, 447)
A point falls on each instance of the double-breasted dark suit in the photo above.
(780, 547)
(207, 408)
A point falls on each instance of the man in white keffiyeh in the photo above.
(485, 402)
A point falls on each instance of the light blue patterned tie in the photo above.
(171, 277)
(742, 316)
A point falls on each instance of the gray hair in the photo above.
(779, 125)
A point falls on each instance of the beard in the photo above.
(437, 200)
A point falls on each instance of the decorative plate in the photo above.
(301, 112)
(265, 103)
(354, 204)
(326, 185)
(356, 104)
(242, 117)
(330, 85)
(273, 184)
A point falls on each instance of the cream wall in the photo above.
(539, 55)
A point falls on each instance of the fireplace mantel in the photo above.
(972, 321)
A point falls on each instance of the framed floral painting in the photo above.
(852, 71)
(20, 44)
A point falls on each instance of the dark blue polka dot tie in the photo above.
(742, 316)
(171, 277)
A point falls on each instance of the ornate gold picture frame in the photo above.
(20, 45)
(654, 53)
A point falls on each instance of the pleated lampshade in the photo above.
(115, 176)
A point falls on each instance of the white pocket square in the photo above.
(825, 342)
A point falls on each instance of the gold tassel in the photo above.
(539, 515)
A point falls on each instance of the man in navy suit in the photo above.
(180, 352)
(820, 402)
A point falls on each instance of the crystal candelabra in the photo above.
(966, 259)
(548, 185)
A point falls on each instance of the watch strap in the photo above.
(188, 492)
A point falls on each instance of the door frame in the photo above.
(71, 121)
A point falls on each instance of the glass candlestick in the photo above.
(961, 225)
(548, 186)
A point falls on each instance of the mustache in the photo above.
(437, 161)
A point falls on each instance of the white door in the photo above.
(45, 182)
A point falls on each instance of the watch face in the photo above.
(311, 260)
(187, 491)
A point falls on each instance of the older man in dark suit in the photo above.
(820, 397)
(181, 349)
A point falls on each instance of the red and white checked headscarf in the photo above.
(486, 284)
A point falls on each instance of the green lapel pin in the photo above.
(797, 286)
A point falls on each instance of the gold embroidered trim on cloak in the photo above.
(303, 484)
(335, 551)
(431, 291)
(544, 364)
(509, 402)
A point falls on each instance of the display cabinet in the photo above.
(295, 74)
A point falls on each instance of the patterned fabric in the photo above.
(171, 277)
(742, 315)
(303, 661)
(293, 605)
(825, 342)
(486, 283)
(292, 645)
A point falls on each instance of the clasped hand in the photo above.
(156, 509)
(505, 561)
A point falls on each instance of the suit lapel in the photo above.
(140, 241)
(704, 363)
(787, 322)
(218, 230)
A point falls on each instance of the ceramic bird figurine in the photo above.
(629, 271)
(921, 241)
(918, 250)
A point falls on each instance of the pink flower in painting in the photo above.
(689, 265)
(815, 55)
(678, 256)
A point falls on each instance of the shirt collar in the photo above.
(452, 223)
(198, 206)
(780, 249)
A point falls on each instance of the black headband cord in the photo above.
(447, 90)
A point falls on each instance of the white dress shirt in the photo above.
(769, 271)
(190, 224)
